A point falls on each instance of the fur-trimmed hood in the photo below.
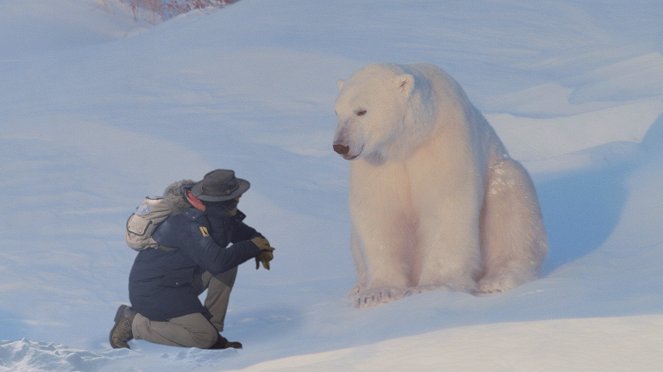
(175, 192)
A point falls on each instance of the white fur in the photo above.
(435, 199)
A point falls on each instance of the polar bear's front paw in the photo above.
(377, 296)
(497, 284)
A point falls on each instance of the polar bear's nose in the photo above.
(341, 149)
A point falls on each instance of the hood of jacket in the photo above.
(175, 193)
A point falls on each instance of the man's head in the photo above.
(219, 185)
(218, 192)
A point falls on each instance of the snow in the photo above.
(99, 110)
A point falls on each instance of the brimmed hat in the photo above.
(219, 185)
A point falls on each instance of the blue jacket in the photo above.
(163, 283)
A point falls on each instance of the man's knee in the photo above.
(197, 330)
(227, 277)
(206, 339)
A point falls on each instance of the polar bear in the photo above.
(435, 200)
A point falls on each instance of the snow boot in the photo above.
(121, 332)
(223, 343)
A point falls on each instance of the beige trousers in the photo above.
(192, 330)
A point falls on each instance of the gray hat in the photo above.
(219, 185)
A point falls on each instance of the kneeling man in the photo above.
(199, 248)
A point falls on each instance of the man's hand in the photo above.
(266, 252)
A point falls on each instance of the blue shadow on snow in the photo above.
(582, 208)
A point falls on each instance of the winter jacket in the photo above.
(163, 283)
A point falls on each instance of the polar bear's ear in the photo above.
(405, 84)
(339, 84)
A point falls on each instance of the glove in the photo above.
(266, 252)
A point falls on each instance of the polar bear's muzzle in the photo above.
(344, 151)
(345, 146)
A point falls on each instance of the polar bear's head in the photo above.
(374, 111)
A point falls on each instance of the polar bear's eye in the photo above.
(360, 112)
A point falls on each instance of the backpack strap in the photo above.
(165, 249)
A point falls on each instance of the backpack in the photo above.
(150, 213)
(142, 223)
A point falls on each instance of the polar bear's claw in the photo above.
(377, 296)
